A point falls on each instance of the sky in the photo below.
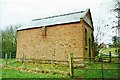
(13, 12)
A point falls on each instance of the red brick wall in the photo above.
(60, 40)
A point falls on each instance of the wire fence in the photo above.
(104, 67)
(99, 67)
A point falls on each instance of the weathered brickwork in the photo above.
(57, 43)
(88, 49)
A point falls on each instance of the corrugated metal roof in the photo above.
(54, 20)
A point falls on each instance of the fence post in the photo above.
(10, 59)
(118, 62)
(71, 64)
(5, 59)
(110, 57)
(102, 67)
(23, 61)
(10, 55)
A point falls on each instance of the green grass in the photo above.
(91, 70)
(106, 50)
(95, 73)
(6, 71)
(40, 66)
(98, 65)
(11, 73)
(94, 70)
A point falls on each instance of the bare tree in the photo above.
(116, 9)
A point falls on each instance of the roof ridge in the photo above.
(57, 15)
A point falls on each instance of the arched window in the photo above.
(85, 36)
(89, 49)
(92, 42)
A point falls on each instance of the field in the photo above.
(11, 73)
(35, 70)
(106, 50)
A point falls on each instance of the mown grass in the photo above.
(106, 50)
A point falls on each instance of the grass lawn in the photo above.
(91, 70)
(11, 73)
(106, 50)
(95, 73)
(94, 70)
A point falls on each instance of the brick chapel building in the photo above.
(56, 36)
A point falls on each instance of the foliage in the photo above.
(0, 43)
(9, 41)
(115, 40)
(96, 49)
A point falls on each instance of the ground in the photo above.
(106, 50)
(31, 70)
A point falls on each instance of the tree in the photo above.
(115, 40)
(9, 41)
(117, 9)
(0, 43)
(97, 37)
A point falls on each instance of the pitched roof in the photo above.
(54, 20)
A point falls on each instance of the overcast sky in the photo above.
(14, 12)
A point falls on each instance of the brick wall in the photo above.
(56, 43)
